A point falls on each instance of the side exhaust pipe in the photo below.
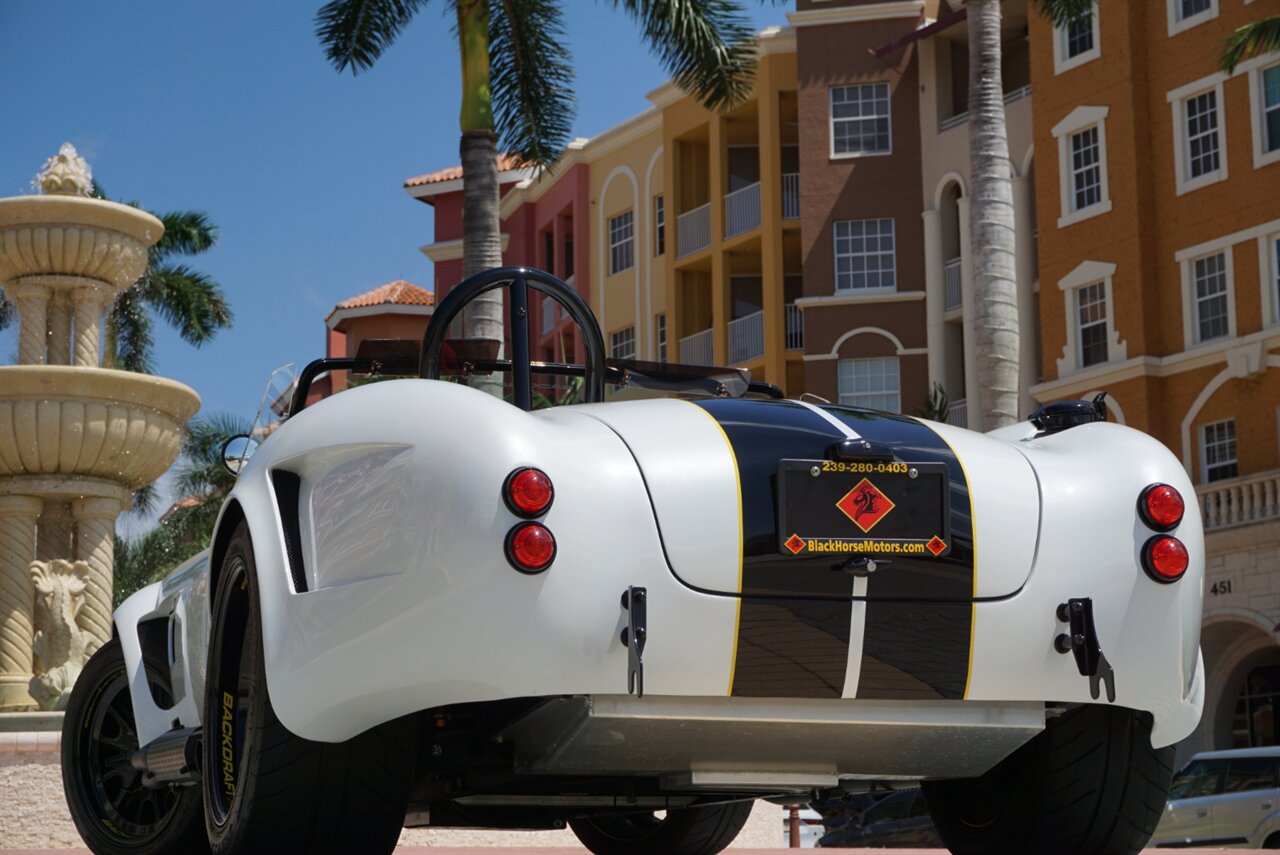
(171, 760)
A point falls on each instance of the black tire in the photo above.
(266, 790)
(1272, 842)
(1090, 784)
(112, 810)
(689, 831)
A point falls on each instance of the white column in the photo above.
(1025, 274)
(59, 329)
(88, 302)
(33, 305)
(935, 299)
(17, 598)
(972, 386)
(95, 544)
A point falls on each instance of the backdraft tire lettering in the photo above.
(267, 790)
(688, 831)
(114, 813)
(1090, 784)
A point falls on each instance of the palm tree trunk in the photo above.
(991, 222)
(481, 239)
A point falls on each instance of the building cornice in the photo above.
(1152, 366)
(451, 250)
(426, 191)
(340, 315)
(857, 14)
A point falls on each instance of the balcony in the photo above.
(742, 210)
(693, 230)
(795, 327)
(957, 414)
(951, 281)
(696, 349)
(791, 196)
(746, 338)
(961, 118)
(1240, 501)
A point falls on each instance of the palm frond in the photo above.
(185, 233)
(1250, 40)
(531, 76)
(188, 300)
(129, 339)
(199, 471)
(354, 33)
(1062, 12)
(144, 499)
(8, 314)
(705, 45)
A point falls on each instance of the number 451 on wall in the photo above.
(1223, 587)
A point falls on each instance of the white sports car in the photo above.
(424, 606)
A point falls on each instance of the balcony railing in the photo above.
(958, 414)
(693, 230)
(746, 338)
(1240, 501)
(951, 279)
(742, 210)
(696, 349)
(795, 327)
(791, 195)
(960, 118)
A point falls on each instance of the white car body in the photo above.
(410, 603)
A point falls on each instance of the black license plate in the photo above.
(839, 507)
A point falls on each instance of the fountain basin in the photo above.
(90, 422)
(74, 236)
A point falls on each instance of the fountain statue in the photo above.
(76, 439)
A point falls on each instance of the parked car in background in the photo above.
(1224, 798)
(810, 827)
(902, 819)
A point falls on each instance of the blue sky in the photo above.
(231, 108)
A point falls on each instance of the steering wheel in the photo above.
(519, 280)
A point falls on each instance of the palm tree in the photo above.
(991, 215)
(514, 65)
(1258, 37)
(190, 301)
(203, 481)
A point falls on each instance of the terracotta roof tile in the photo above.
(505, 164)
(399, 293)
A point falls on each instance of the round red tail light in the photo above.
(1165, 558)
(1161, 507)
(531, 547)
(528, 492)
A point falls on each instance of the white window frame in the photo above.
(1178, 24)
(1256, 94)
(1269, 273)
(851, 397)
(659, 225)
(1190, 316)
(660, 336)
(1062, 62)
(1178, 102)
(835, 259)
(1085, 274)
(1204, 450)
(1081, 325)
(1080, 119)
(831, 120)
(629, 239)
(619, 339)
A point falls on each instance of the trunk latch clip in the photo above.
(634, 603)
(1082, 641)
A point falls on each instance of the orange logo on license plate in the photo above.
(795, 543)
(936, 545)
(866, 505)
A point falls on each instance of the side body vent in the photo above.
(288, 486)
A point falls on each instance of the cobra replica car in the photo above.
(428, 606)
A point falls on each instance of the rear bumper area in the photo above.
(745, 743)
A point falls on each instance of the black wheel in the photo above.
(1272, 842)
(1090, 784)
(112, 810)
(689, 831)
(267, 790)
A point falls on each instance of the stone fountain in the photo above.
(76, 439)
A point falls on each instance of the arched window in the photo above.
(1255, 717)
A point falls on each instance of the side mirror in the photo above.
(236, 451)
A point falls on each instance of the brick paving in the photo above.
(444, 850)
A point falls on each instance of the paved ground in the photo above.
(433, 850)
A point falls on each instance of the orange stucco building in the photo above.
(1158, 204)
